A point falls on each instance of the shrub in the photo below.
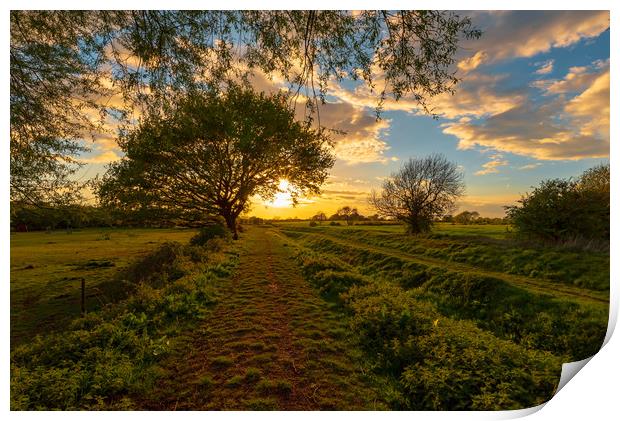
(332, 284)
(443, 363)
(313, 223)
(565, 210)
(434, 362)
(384, 314)
(213, 230)
(216, 244)
(334, 223)
(162, 263)
(466, 368)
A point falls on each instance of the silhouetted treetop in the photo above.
(66, 66)
(214, 152)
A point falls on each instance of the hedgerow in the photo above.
(558, 264)
(567, 328)
(437, 362)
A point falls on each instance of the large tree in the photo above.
(560, 210)
(67, 65)
(422, 190)
(213, 152)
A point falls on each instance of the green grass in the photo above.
(582, 269)
(206, 381)
(47, 269)
(279, 387)
(449, 308)
(568, 321)
(109, 357)
(440, 228)
(279, 354)
(299, 317)
(252, 374)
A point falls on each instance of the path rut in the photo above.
(270, 343)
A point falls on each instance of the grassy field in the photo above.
(299, 317)
(47, 269)
(440, 228)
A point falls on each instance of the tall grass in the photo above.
(572, 329)
(436, 362)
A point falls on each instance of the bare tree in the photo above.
(422, 190)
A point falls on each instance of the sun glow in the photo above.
(283, 198)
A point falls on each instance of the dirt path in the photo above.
(541, 286)
(270, 343)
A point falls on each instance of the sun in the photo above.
(283, 198)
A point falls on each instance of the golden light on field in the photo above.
(283, 198)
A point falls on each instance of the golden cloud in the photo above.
(590, 109)
(476, 95)
(512, 34)
(492, 166)
(545, 67)
(530, 166)
(565, 127)
(471, 63)
(104, 157)
(577, 79)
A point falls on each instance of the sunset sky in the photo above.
(533, 104)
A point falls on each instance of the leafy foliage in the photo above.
(109, 355)
(569, 328)
(438, 363)
(564, 210)
(214, 152)
(71, 71)
(215, 229)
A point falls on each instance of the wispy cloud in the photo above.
(470, 63)
(530, 166)
(545, 67)
(492, 166)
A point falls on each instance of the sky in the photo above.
(532, 104)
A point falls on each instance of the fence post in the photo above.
(82, 304)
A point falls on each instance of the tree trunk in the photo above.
(417, 224)
(231, 223)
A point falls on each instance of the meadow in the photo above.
(47, 269)
(293, 316)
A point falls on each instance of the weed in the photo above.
(223, 361)
(234, 381)
(252, 374)
(281, 387)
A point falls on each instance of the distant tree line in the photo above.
(347, 214)
(473, 218)
(27, 217)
